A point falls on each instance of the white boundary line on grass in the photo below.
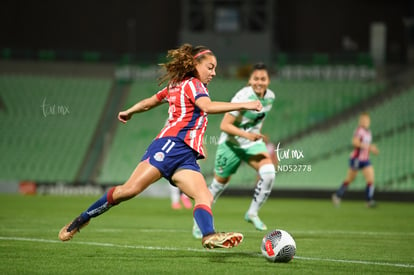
(293, 232)
(201, 250)
(353, 262)
(311, 232)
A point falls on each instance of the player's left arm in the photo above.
(373, 148)
(142, 106)
(219, 107)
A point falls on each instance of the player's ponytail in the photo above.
(181, 63)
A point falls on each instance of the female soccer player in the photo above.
(241, 140)
(174, 152)
(360, 161)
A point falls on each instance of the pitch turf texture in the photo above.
(144, 236)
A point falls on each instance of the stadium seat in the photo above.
(391, 124)
(49, 123)
(299, 105)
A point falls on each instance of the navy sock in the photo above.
(341, 191)
(100, 206)
(369, 191)
(204, 218)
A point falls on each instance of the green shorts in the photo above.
(229, 157)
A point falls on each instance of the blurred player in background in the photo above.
(178, 197)
(359, 160)
(241, 140)
(174, 152)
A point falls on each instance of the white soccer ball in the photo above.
(278, 246)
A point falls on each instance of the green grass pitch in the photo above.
(145, 236)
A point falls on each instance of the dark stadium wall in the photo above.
(153, 26)
(115, 26)
(320, 25)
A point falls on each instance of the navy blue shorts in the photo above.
(356, 164)
(168, 154)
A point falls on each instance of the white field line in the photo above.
(202, 250)
(363, 233)
(304, 232)
(354, 262)
(293, 232)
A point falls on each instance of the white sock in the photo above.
(175, 194)
(216, 188)
(263, 188)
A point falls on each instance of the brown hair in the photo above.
(181, 63)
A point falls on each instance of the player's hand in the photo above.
(254, 105)
(253, 136)
(266, 139)
(124, 116)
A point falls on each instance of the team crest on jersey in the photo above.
(159, 156)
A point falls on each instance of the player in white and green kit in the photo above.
(241, 140)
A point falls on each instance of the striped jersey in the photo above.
(186, 121)
(364, 135)
(250, 121)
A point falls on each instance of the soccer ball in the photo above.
(278, 246)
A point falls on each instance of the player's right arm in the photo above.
(357, 139)
(356, 142)
(142, 106)
(227, 126)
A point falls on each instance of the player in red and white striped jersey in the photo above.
(186, 121)
(174, 152)
(359, 160)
